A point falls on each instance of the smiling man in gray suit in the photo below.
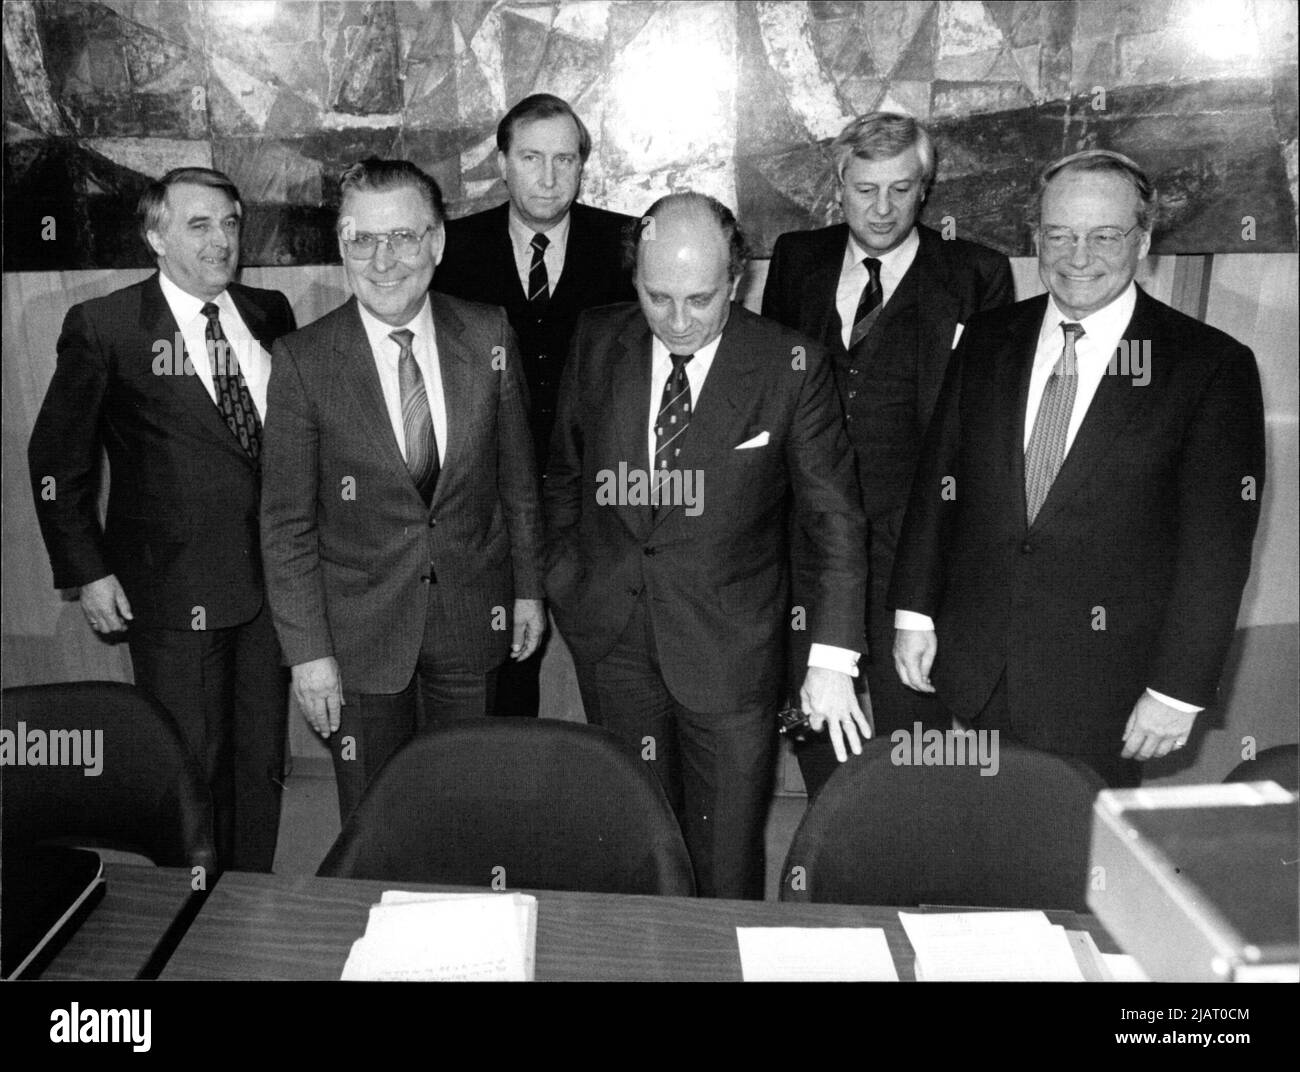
(400, 513)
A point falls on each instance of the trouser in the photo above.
(716, 767)
(229, 695)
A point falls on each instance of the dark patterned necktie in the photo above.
(673, 419)
(1046, 449)
(539, 291)
(869, 304)
(417, 418)
(233, 398)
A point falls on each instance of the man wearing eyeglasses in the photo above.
(1080, 526)
(400, 507)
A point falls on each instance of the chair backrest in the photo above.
(1276, 764)
(523, 802)
(886, 833)
(148, 794)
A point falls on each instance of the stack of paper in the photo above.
(989, 947)
(447, 937)
(814, 954)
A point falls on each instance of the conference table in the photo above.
(299, 927)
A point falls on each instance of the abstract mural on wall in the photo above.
(738, 99)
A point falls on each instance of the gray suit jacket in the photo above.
(350, 546)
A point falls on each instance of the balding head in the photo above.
(687, 257)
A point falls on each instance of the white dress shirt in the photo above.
(826, 656)
(386, 353)
(521, 239)
(1094, 350)
(854, 277)
(254, 362)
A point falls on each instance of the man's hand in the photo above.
(530, 627)
(105, 605)
(319, 692)
(914, 652)
(1155, 729)
(828, 699)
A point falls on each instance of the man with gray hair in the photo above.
(688, 433)
(1080, 525)
(400, 521)
(887, 296)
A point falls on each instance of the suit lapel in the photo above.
(822, 285)
(1115, 405)
(356, 362)
(158, 323)
(1013, 369)
(454, 366)
(630, 369)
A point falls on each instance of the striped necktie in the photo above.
(1046, 449)
(539, 289)
(869, 304)
(417, 419)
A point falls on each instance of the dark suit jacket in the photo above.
(479, 264)
(717, 582)
(182, 524)
(948, 283)
(350, 545)
(1146, 521)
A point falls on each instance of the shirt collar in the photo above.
(522, 235)
(185, 306)
(703, 356)
(903, 253)
(1105, 326)
(421, 325)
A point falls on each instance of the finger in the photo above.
(856, 713)
(518, 634)
(1148, 749)
(1132, 742)
(926, 662)
(332, 709)
(837, 741)
(851, 735)
(124, 605)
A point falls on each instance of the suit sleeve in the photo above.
(562, 491)
(775, 291)
(1220, 482)
(517, 472)
(63, 455)
(917, 582)
(290, 537)
(833, 554)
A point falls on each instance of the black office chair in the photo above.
(886, 834)
(527, 802)
(149, 796)
(1276, 764)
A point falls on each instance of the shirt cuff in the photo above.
(910, 619)
(1177, 705)
(829, 657)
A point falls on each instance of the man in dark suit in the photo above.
(401, 526)
(670, 577)
(543, 258)
(1080, 526)
(170, 376)
(887, 297)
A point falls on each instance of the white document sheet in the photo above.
(990, 947)
(815, 954)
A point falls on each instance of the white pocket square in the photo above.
(956, 335)
(760, 440)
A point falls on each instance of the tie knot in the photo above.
(403, 337)
(540, 242)
(1072, 330)
(679, 361)
(873, 266)
(210, 310)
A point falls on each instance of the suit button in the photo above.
(1026, 548)
(650, 551)
(853, 394)
(426, 579)
(432, 521)
(853, 372)
(541, 357)
(634, 591)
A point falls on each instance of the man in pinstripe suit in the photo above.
(400, 514)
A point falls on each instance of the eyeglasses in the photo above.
(403, 244)
(1103, 241)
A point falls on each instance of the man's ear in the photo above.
(501, 165)
(155, 243)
